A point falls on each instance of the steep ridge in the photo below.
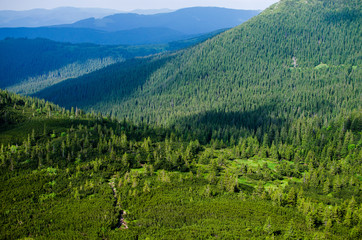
(30, 65)
(296, 59)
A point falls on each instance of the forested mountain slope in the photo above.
(24, 58)
(29, 65)
(296, 60)
(66, 174)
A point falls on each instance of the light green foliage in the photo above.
(159, 175)
(321, 66)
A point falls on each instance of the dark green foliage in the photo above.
(127, 78)
(30, 58)
(33, 65)
(287, 64)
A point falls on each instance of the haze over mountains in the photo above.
(33, 64)
(47, 17)
(61, 15)
(194, 20)
(131, 28)
(55, 62)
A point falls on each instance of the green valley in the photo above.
(32, 65)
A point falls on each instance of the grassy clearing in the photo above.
(139, 170)
(254, 162)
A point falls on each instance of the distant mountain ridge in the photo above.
(152, 11)
(47, 17)
(193, 20)
(138, 36)
(131, 28)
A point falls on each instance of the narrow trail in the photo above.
(121, 223)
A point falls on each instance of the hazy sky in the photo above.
(127, 5)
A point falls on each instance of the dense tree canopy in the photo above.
(256, 133)
(293, 61)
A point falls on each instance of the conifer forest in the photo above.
(254, 132)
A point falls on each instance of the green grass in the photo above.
(139, 170)
(277, 183)
(254, 162)
(247, 181)
(321, 66)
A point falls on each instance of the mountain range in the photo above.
(270, 63)
(47, 17)
(131, 28)
(61, 15)
(194, 20)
